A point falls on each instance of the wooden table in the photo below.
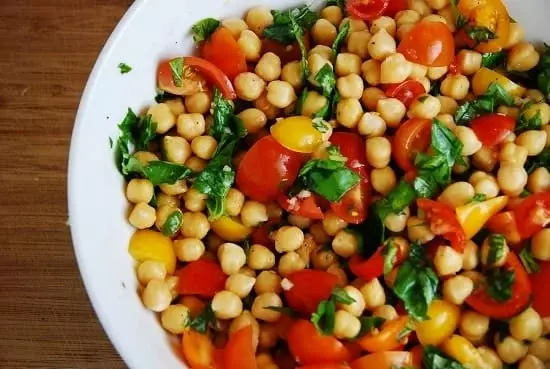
(47, 49)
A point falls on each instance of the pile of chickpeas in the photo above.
(368, 59)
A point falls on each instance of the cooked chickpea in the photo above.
(163, 116)
(534, 95)
(374, 294)
(381, 45)
(145, 157)
(346, 325)
(143, 216)
(269, 335)
(197, 103)
(448, 13)
(240, 284)
(350, 86)
(235, 25)
(378, 151)
(539, 180)
(349, 112)
(383, 22)
(332, 223)
(455, 86)
(250, 44)
(316, 62)
(387, 312)
(226, 305)
(323, 51)
(531, 362)
(156, 296)
(347, 63)
(383, 180)
(268, 67)
(323, 32)
(289, 263)
(473, 325)
(260, 257)
(511, 179)
(407, 17)
(260, 304)
(370, 70)
(448, 105)
(174, 318)
(540, 245)
(204, 147)
(470, 258)
(232, 258)
(268, 281)
(234, 202)
(149, 270)
(397, 222)
(395, 69)
(280, 94)
(253, 213)
(541, 349)
(292, 73)
(318, 233)
(357, 307)
(258, 18)
(178, 188)
(176, 149)
(542, 109)
(313, 103)
(288, 238)
(516, 34)
(322, 258)
(512, 154)
(447, 261)
(189, 249)
(358, 43)
(522, 57)
(485, 159)
(345, 244)
(391, 110)
(402, 30)
(139, 190)
(457, 194)
(534, 141)
(333, 14)
(270, 110)
(196, 164)
(194, 200)
(371, 124)
(176, 106)
(469, 61)
(510, 349)
(526, 326)
(371, 96)
(437, 4)
(249, 86)
(420, 7)
(190, 126)
(434, 18)
(456, 289)
(489, 357)
(418, 230)
(436, 72)
(299, 221)
(425, 106)
(253, 119)
(356, 25)
(195, 225)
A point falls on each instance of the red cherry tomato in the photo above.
(202, 277)
(353, 206)
(239, 352)
(367, 9)
(310, 287)
(309, 347)
(286, 53)
(267, 169)
(541, 297)
(481, 301)
(222, 50)
(428, 43)
(262, 234)
(412, 137)
(405, 91)
(304, 206)
(384, 360)
(533, 214)
(395, 6)
(492, 129)
(454, 67)
(373, 267)
(505, 224)
(443, 222)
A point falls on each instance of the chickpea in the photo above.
(437, 4)
(391, 110)
(510, 349)
(268, 281)
(425, 106)
(260, 304)
(487, 186)
(325, 52)
(470, 258)
(176, 149)
(332, 223)
(461, 168)
(240, 284)
(534, 141)
(469, 61)
(345, 244)
(358, 43)
(378, 151)
(418, 230)
(434, 18)
(370, 70)
(260, 257)
(139, 190)
(374, 294)
(235, 25)
(289, 263)
(526, 326)
(316, 62)
(349, 112)
(204, 147)
(323, 32)
(318, 233)
(322, 258)
(189, 249)
(387, 312)
(142, 216)
(534, 95)
(540, 245)
(531, 362)
(268, 67)
(197, 103)
(511, 180)
(407, 17)
(381, 45)
(489, 357)
(350, 86)
(455, 86)
(156, 296)
(176, 106)
(190, 126)
(448, 105)
(226, 305)
(274, 211)
(292, 73)
(371, 96)
(457, 194)
(178, 188)
(253, 213)
(447, 261)
(232, 258)
(449, 15)
(403, 30)
(313, 103)
(397, 222)
(371, 124)
(522, 57)
(288, 238)
(473, 325)
(299, 221)
(258, 18)
(270, 110)
(356, 25)
(395, 69)
(174, 318)
(163, 116)
(149, 270)
(383, 22)
(333, 14)
(456, 289)
(383, 180)
(516, 34)
(281, 94)
(234, 202)
(357, 307)
(194, 200)
(485, 159)
(145, 157)
(195, 225)
(250, 44)
(541, 349)
(435, 73)
(346, 325)
(253, 119)
(539, 180)
(512, 154)
(249, 86)
(541, 109)
(420, 7)
(347, 63)
(172, 282)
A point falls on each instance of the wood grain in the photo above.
(47, 49)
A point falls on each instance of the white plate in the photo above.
(150, 31)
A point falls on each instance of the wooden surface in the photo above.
(47, 49)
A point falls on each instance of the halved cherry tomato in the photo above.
(303, 206)
(309, 288)
(539, 282)
(383, 360)
(230, 229)
(202, 277)
(405, 91)
(267, 169)
(297, 134)
(443, 222)
(198, 350)
(444, 318)
(387, 338)
(492, 129)
(428, 43)
(367, 9)
(489, 14)
(239, 352)
(222, 50)
(533, 214)
(505, 224)
(412, 137)
(485, 77)
(395, 6)
(473, 216)
(286, 53)
(373, 267)
(481, 301)
(262, 234)
(308, 346)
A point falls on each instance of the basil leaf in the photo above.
(493, 60)
(445, 142)
(368, 323)
(158, 172)
(543, 82)
(495, 95)
(339, 40)
(177, 66)
(202, 321)
(528, 260)
(478, 197)
(542, 160)
(479, 34)
(204, 28)
(172, 223)
(124, 68)
(432, 358)
(496, 243)
(226, 125)
(324, 318)
(526, 123)
(340, 296)
(283, 310)
(499, 284)
(163, 96)
(327, 79)
(389, 252)
(301, 101)
(395, 201)
(499, 94)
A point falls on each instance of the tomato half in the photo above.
(383, 360)
(443, 222)
(286, 53)
(267, 169)
(386, 338)
(489, 14)
(481, 301)
(533, 214)
(405, 91)
(373, 267)
(505, 223)
(198, 350)
(262, 234)
(492, 129)
(367, 9)
(308, 346)
(428, 43)
(310, 287)
(412, 137)
(297, 134)
(395, 6)
(222, 50)
(239, 352)
(202, 277)
(541, 298)
(303, 206)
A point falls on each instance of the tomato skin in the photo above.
(297, 134)
(262, 234)
(492, 129)
(482, 302)
(405, 91)
(202, 277)
(310, 288)
(309, 347)
(239, 352)
(444, 318)
(428, 43)
(505, 224)
(306, 207)
(395, 6)
(533, 214)
(222, 50)
(325, 366)
(267, 169)
(443, 222)
(383, 360)
(198, 350)
(541, 298)
(367, 9)
(373, 267)
(412, 137)
(386, 338)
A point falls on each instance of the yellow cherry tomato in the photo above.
(297, 134)
(230, 229)
(463, 351)
(153, 245)
(473, 217)
(442, 321)
(484, 77)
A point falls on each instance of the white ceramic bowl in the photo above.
(150, 31)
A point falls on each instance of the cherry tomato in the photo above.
(454, 67)
(405, 91)
(262, 234)
(428, 43)
(303, 206)
(505, 224)
(443, 321)
(239, 352)
(383, 360)
(489, 14)
(443, 222)
(308, 346)
(297, 134)
(481, 301)
(267, 169)
(492, 129)
(373, 267)
(541, 298)
(367, 9)
(198, 350)
(533, 214)
(202, 277)
(417, 353)
(412, 137)
(395, 6)
(387, 338)
(309, 288)
(325, 366)
(222, 50)
(484, 77)
(286, 53)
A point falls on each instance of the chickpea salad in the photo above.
(363, 187)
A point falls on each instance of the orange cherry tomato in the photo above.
(443, 222)
(541, 297)
(533, 214)
(303, 206)
(310, 287)
(198, 350)
(405, 91)
(383, 360)
(239, 352)
(222, 50)
(412, 137)
(387, 338)
(202, 277)
(309, 347)
(367, 9)
(492, 129)
(428, 43)
(505, 224)
(417, 353)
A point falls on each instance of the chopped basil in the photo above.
(402, 334)
(324, 318)
(204, 28)
(157, 171)
(327, 80)
(525, 193)
(320, 125)
(389, 252)
(395, 201)
(283, 310)
(493, 60)
(340, 296)
(422, 98)
(528, 260)
(433, 358)
(154, 200)
(172, 223)
(542, 160)
(202, 321)
(163, 96)
(499, 284)
(177, 66)
(124, 68)
(368, 323)
(486, 103)
(478, 197)
(497, 244)
(339, 40)
(528, 123)
(301, 101)
(479, 34)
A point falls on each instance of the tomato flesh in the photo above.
(202, 277)
(386, 338)
(383, 360)
(405, 91)
(505, 224)
(239, 352)
(412, 137)
(541, 298)
(222, 50)
(443, 222)
(533, 214)
(306, 207)
(492, 129)
(428, 43)
(367, 9)
(395, 6)
(310, 287)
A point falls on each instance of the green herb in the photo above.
(177, 66)
(497, 244)
(478, 197)
(499, 284)
(416, 283)
(172, 223)
(327, 80)
(204, 28)
(422, 98)
(432, 358)
(528, 260)
(435, 88)
(493, 60)
(395, 201)
(324, 318)
(202, 321)
(525, 193)
(528, 123)
(339, 40)
(320, 125)
(340, 296)
(542, 160)
(402, 334)
(124, 68)
(157, 172)
(479, 34)
(163, 96)
(389, 252)
(368, 323)
(301, 101)
(154, 200)
(486, 103)
(283, 310)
